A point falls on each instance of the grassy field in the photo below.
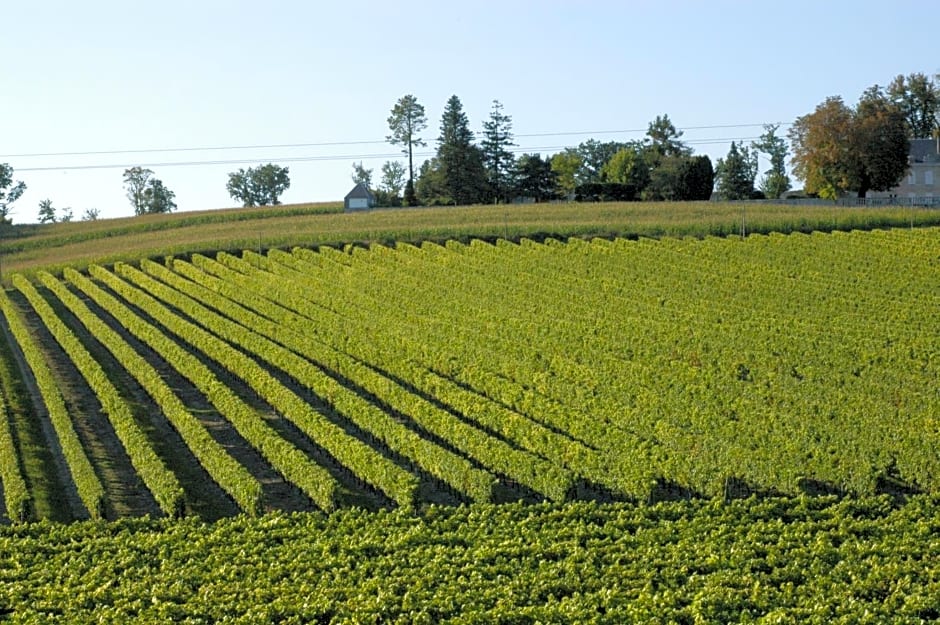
(30, 247)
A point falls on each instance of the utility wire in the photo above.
(330, 157)
(347, 143)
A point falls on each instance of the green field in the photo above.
(471, 403)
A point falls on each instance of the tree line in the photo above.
(837, 149)
(466, 171)
(147, 194)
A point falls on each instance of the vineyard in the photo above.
(380, 377)
(799, 560)
(556, 430)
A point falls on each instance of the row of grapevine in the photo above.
(295, 312)
(386, 352)
(228, 473)
(795, 560)
(16, 495)
(640, 368)
(456, 471)
(363, 460)
(161, 481)
(540, 436)
(89, 487)
(433, 378)
(293, 464)
(753, 442)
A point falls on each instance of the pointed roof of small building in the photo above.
(359, 191)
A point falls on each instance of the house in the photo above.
(922, 183)
(360, 198)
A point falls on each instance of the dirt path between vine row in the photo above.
(126, 493)
(76, 508)
(203, 496)
(4, 519)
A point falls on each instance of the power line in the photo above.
(347, 143)
(322, 158)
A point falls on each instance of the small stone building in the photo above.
(360, 198)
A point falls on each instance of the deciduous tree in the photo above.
(663, 178)
(136, 180)
(430, 188)
(9, 191)
(918, 97)
(259, 186)
(361, 175)
(837, 149)
(158, 199)
(393, 177)
(406, 123)
(46, 212)
(566, 166)
(627, 166)
(881, 142)
(695, 178)
(146, 193)
(391, 185)
(594, 155)
(663, 151)
(534, 177)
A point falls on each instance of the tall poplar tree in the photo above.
(497, 159)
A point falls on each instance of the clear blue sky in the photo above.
(109, 75)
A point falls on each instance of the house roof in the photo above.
(359, 191)
(924, 151)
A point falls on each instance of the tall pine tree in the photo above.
(406, 123)
(497, 159)
(461, 161)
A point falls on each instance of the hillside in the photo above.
(475, 372)
(464, 427)
(76, 244)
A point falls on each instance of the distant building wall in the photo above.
(921, 185)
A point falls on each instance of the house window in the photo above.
(912, 178)
(928, 176)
